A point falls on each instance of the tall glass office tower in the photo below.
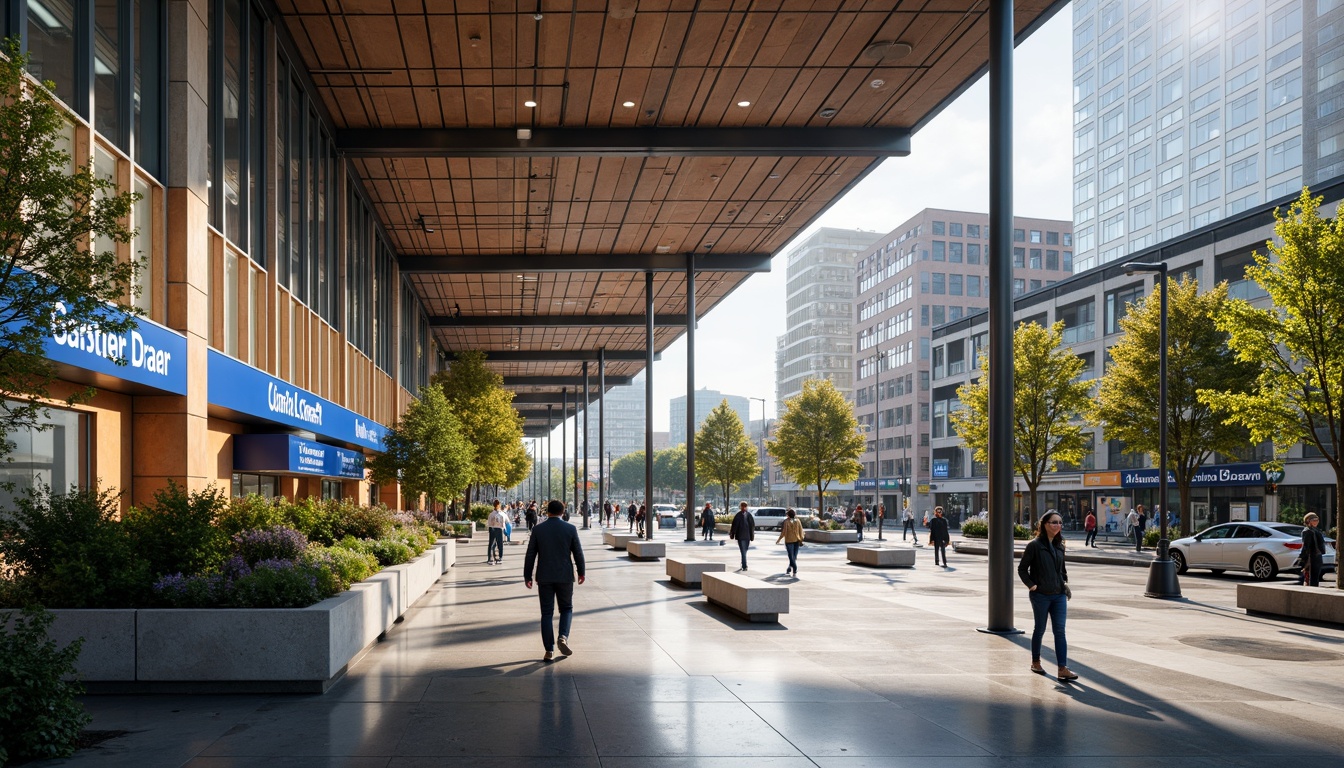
(1191, 111)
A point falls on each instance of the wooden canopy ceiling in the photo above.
(531, 158)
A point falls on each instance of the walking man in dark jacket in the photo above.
(743, 531)
(939, 536)
(554, 549)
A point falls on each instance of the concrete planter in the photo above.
(239, 649)
(1312, 603)
(831, 537)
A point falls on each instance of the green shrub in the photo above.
(275, 543)
(178, 533)
(253, 512)
(1291, 513)
(392, 551)
(69, 551)
(277, 584)
(1151, 535)
(343, 566)
(975, 528)
(1021, 532)
(360, 522)
(40, 718)
(480, 512)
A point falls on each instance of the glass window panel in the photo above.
(142, 246)
(233, 128)
(51, 44)
(57, 456)
(107, 107)
(146, 97)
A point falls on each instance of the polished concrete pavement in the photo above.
(870, 668)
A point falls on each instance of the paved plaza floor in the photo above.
(869, 668)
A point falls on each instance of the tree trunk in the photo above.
(1186, 519)
(1031, 494)
(1333, 516)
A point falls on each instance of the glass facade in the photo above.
(57, 456)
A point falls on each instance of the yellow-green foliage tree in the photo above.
(817, 440)
(59, 271)
(520, 466)
(723, 453)
(425, 450)
(627, 472)
(1048, 404)
(1297, 341)
(489, 422)
(1198, 358)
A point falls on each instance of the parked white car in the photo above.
(1263, 549)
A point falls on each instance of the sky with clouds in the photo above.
(948, 167)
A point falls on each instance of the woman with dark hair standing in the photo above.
(1042, 570)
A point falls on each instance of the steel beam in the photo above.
(539, 399)
(551, 321)
(556, 355)
(534, 263)
(794, 141)
(559, 381)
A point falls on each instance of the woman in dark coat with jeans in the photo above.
(1042, 570)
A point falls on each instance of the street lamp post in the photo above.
(1162, 582)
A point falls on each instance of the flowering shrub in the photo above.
(268, 584)
(340, 567)
(276, 543)
(974, 528)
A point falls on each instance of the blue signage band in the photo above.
(292, 455)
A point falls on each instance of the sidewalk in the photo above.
(869, 668)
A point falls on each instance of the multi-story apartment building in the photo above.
(706, 400)
(1110, 480)
(932, 269)
(818, 342)
(1186, 112)
(624, 416)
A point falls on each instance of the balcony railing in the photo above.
(1077, 333)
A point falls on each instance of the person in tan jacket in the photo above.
(791, 533)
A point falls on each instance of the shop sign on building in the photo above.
(153, 355)
(1215, 475)
(240, 387)
(292, 455)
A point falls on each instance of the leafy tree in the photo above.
(51, 280)
(489, 422)
(723, 452)
(817, 440)
(1297, 341)
(1198, 358)
(627, 472)
(425, 450)
(1048, 402)
(520, 467)
(669, 467)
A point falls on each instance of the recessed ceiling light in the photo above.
(628, 104)
(744, 103)
(878, 83)
(887, 50)
(774, 175)
(828, 113)
(529, 103)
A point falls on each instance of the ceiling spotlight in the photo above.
(627, 104)
(530, 103)
(877, 83)
(744, 103)
(886, 49)
(829, 112)
(537, 15)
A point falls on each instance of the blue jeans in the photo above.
(1057, 608)
(791, 547)
(742, 545)
(496, 544)
(858, 529)
(549, 592)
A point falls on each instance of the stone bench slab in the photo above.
(686, 571)
(618, 540)
(646, 550)
(881, 557)
(1323, 604)
(749, 598)
(831, 537)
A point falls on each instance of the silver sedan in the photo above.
(1262, 549)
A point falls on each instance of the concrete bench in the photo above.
(618, 540)
(749, 598)
(686, 571)
(1324, 603)
(882, 557)
(645, 550)
(842, 536)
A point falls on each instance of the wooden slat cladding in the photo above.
(394, 64)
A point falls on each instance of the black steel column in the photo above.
(586, 391)
(1001, 442)
(648, 401)
(601, 431)
(564, 439)
(690, 397)
(549, 431)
